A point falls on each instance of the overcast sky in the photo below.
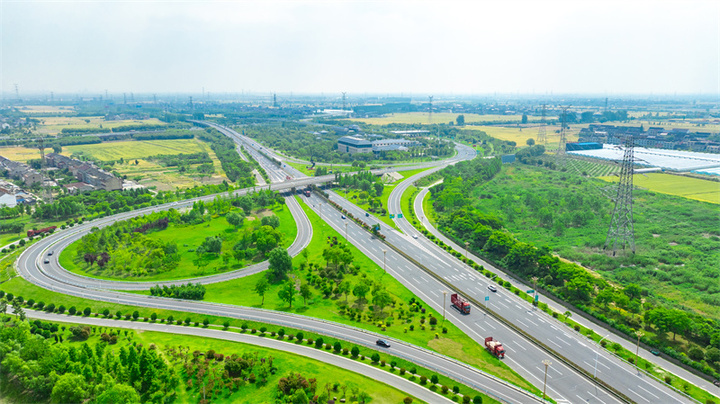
(472, 47)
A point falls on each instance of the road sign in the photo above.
(399, 215)
(531, 291)
(487, 298)
(392, 215)
(536, 297)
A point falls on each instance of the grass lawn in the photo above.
(134, 149)
(441, 117)
(687, 187)
(189, 237)
(241, 292)
(406, 199)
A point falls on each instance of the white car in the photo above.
(415, 236)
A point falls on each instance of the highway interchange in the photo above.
(564, 383)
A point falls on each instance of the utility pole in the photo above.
(637, 350)
(546, 363)
(344, 100)
(444, 297)
(563, 139)
(430, 111)
(622, 229)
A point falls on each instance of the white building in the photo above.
(7, 200)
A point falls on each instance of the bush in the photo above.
(72, 310)
(106, 312)
(206, 322)
(319, 343)
(477, 400)
(355, 351)
(87, 311)
(30, 303)
(407, 400)
(668, 379)
(300, 336)
(153, 316)
(466, 399)
(226, 324)
(118, 314)
(61, 309)
(444, 389)
(187, 321)
(434, 379)
(337, 347)
(135, 315)
(402, 371)
(50, 308)
(375, 358)
(456, 389)
(263, 329)
(423, 380)
(281, 333)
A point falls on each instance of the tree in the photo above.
(300, 397)
(69, 389)
(361, 290)
(119, 394)
(280, 263)
(287, 292)
(530, 142)
(460, 120)
(235, 219)
(344, 288)
(212, 244)
(633, 291)
(261, 287)
(524, 119)
(381, 299)
(679, 322)
(305, 292)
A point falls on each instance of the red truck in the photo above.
(307, 193)
(494, 347)
(460, 303)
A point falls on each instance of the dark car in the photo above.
(47, 261)
(383, 343)
(343, 216)
(50, 253)
(655, 352)
(492, 288)
(367, 214)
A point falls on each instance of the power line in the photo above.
(541, 136)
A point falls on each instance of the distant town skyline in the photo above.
(361, 47)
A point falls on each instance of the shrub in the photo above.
(319, 343)
(118, 314)
(477, 400)
(178, 322)
(30, 303)
(226, 324)
(135, 315)
(423, 380)
(106, 312)
(61, 309)
(10, 297)
(170, 319)
(263, 329)
(466, 399)
(456, 389)
(444, 330)
(355, 351)
(444, 389)
(206, 322)
(153, 316)
(50, 308)
(407, 400)
(402, 371)
(187, 321)
(434, 379)
(337, 347)
(281, 333)
(668, 379)
(375, 358)
(87, 311)
(300, 336)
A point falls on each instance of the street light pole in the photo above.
(546, 363)
(384, 253)
(346, 231)
(637, 350)
(444, 297)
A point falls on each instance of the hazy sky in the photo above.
(470, 47)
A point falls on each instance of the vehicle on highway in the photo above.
(367, 214)
(415, 236)
(655, 352)
(492, 288)
(459, 303)
(383, 343)
(50, 253)
(495, 347)
(47, 261)
(342, 216)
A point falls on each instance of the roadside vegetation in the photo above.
(668, 289)
(213, 237)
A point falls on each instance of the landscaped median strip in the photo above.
(408, 385)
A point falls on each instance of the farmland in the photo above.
(690, 188)
(521, 134)
(54, 125)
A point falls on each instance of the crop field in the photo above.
(54, 125)
(687, 187)
(21, 154)
(440, 117)
(591, 168)
(130, 150)
(520, 134)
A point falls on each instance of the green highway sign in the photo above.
(530, 291)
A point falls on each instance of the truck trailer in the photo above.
(460, 303)
(494, 347)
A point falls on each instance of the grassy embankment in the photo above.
(353, 195)
(188, 238)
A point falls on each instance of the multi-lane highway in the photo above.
(565, 384)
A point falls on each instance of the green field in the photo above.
(187, 238)
(521, 134)
(54, 125)
(130, 150)
(437, 118)
(687, 187)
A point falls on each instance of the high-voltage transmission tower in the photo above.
(274, 100)
(622, 231)
(541, 139)
(47, 192)
(344, 101)
(430, 111)
(563, 137)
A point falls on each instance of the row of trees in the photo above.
(188, 291)
(236, 169)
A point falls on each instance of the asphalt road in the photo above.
(340, 361)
